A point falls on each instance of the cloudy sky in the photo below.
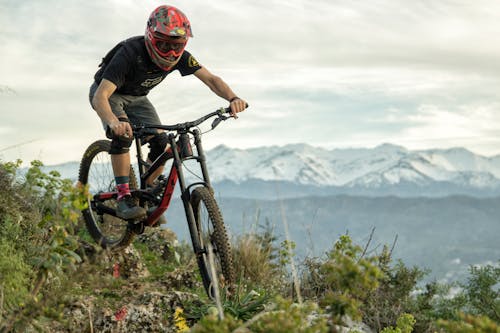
(421, 74)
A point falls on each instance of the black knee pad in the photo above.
(120, 144)
(157, 145)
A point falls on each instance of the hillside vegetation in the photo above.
(54, 279)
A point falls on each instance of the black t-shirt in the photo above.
(131, 69)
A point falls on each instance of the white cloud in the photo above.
(328, 72)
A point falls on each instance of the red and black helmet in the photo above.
(167, 33)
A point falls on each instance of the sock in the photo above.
(122, 186)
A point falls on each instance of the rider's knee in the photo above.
(157, 145)
(120, 144)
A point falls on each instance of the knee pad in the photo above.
(120, 144)
(157, 145)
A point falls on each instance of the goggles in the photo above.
(167, 47)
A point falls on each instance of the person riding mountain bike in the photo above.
(127, 74)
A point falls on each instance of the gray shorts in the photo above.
(138, 109)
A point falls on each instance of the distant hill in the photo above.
(446, 235)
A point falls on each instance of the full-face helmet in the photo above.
(167, 33)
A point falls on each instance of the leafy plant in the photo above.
(345, 279)
(283, 317)
(483, 291)
(469, 324)
(39, 212)
(404, 324)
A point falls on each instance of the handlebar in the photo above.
(220, 113)
(189, 124)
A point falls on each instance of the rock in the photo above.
(353, 326)
(160, 240)
(151, 312)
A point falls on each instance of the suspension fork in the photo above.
(202, 160)
(185, 196)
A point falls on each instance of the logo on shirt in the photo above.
(192, 62)
(151, 82)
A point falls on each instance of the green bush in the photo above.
(469, 324)
(283, 317)
(15, 276)
(483, 291)
(38, 212)
(404, 324)
(344, 281)
(393, 297)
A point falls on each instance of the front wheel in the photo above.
(96, 171)
(211, 230)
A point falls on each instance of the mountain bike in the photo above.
(205, 223)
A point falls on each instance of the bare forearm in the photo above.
(101, 105)
(219, 87)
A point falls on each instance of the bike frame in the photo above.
(176, 175)
(176, 171)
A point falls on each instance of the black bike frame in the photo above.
(176, 174)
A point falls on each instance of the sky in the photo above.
(335, 74)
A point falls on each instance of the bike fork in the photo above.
(186, 198)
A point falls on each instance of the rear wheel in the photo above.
(211, 230)
(96, 171)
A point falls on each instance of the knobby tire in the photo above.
(96, 171)
(210, 227)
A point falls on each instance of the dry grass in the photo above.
(254, 262)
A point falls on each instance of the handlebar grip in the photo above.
(228, 109)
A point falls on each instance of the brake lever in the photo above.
(218, 120)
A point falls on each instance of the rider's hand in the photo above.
(120, 128)
(237, 105)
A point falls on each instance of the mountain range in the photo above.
(379, 168)
(302, 170)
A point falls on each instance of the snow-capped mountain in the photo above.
(304, 170)
(383, 165)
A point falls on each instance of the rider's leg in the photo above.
(120, 159)
(151, 179)
(157, 145)
(120, 156)
(121, 170)
(141, 111)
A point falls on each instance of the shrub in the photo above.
(283, 317)
(38, 212)
(469, 324)
(343, 282)
(483, 291)
(392, 298)
(259, 261)
(404, 324)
